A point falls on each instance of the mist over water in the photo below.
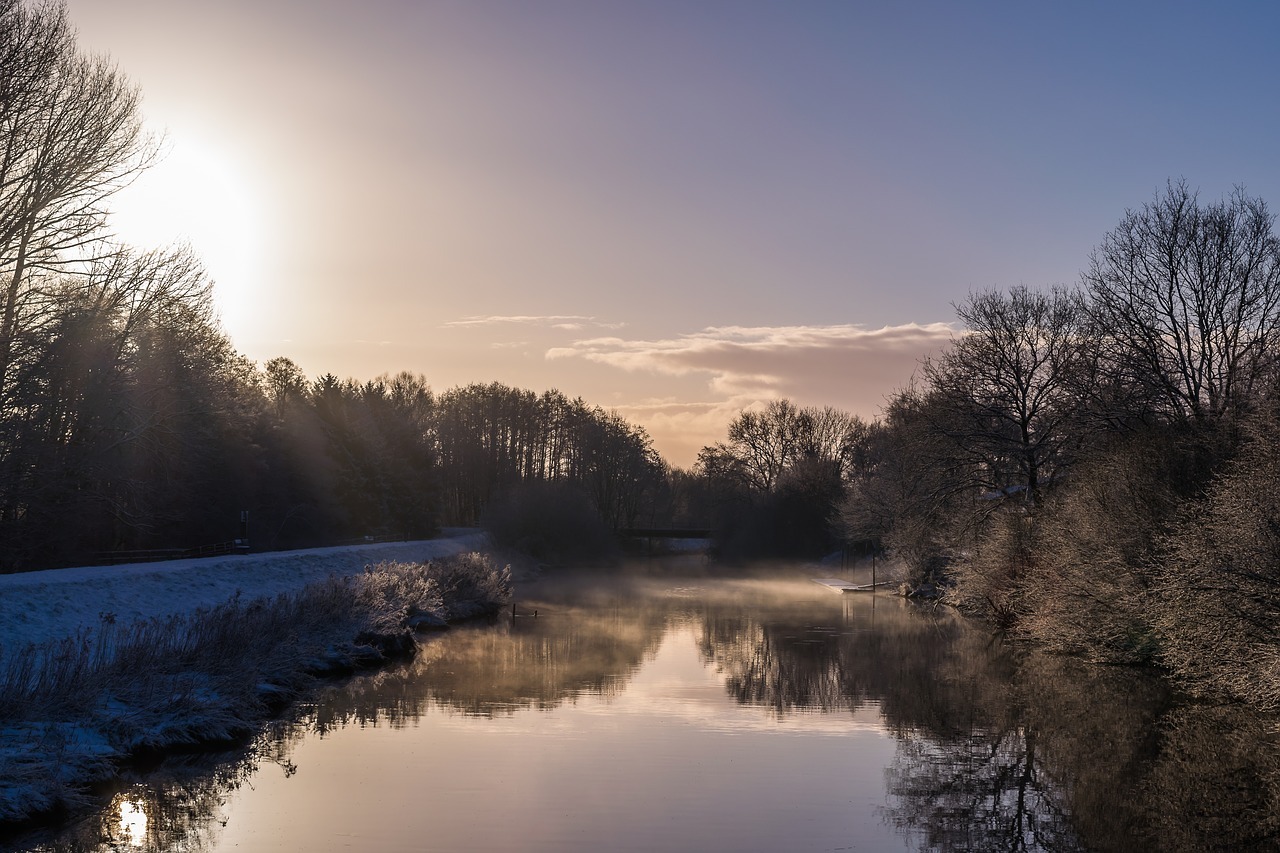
(663, 711)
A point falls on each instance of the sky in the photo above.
(674, 209)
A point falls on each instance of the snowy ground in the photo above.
(53, 747)
(50, 605)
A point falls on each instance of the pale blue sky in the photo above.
(690, 205)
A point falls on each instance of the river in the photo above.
(665, 712)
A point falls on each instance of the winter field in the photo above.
(49, 605)
(102, 664)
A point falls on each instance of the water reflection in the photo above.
(967, 774)
(574, 646)
(1216, 783)
(777, 653)
(178, 806)
(133, 821)
(992, 747)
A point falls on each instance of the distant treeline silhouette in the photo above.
(127, 419)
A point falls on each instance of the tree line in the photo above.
(1093, 466)
(129, 422)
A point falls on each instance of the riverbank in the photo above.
(106, 664)
(39, 606)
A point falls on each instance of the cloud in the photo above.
(845, 366)
(557, 321)
(773, 360)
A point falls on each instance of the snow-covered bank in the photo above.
(39, 606)
(194, 652)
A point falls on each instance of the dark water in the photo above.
(711, 714)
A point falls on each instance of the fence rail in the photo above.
(219, 549)
(155, 555)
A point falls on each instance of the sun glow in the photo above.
(133, 823)
(196, 194)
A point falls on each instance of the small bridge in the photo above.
(654, 537)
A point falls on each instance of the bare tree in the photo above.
(284, 383)
(763, 445)
(1007, 392)
(767, 442)
(837, 436)
(1187, 299)
(128, 412)
(70, 137)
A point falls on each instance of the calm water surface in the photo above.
(712, 714)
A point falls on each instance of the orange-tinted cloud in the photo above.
(845, 366)
(810, 362)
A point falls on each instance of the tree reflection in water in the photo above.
(570, 648)
(1002, 747)
(999, 747)
(967, 775)
(1216, 783)
(178, 806)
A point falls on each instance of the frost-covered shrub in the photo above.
(991, 580)
(1098, 542)
(471, 583)
(454, 587)
(917, 546)
(391, 592)
(1217, 591)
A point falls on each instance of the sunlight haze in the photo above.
(675, 210)
(196, 195)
